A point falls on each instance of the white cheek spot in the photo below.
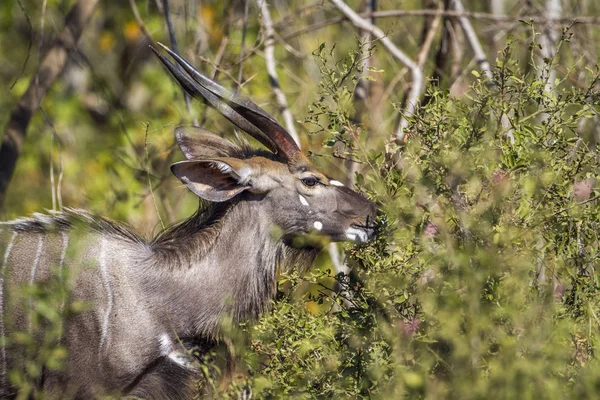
(318, 225)
(303, 200)
(357, 235)
(336, 183)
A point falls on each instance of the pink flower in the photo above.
(410, 327)
(583, 189)
(430, 230)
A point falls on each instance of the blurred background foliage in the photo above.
(483, 281)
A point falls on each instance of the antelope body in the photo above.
(149, 298)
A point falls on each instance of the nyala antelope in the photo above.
(149, 298)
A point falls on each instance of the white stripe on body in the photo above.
(34, 267)
(36, 260)
(2, 328)
(109, 292)
(63, 254)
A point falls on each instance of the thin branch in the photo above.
(41, 41)
(536, 19)
(243, 43)
(417, 75)
(216, 69)
(553, 9)
(30, 27)
(140, 21)
(56, 189)
(481, 59)
(490, 17)
(301, 12)
(173, 40)
(361, 91)
(360, 96)
(49, 70)
(148, 167)
(467, 27)
(428, 37)
(265, 18)
(219, 57)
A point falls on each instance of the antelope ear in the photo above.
(198, 143)
(218, 179)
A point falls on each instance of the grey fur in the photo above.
(220, 263)
(152, 299)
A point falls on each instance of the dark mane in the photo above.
(197, 233)
(68, 218)
(244, 150)
(191, 238)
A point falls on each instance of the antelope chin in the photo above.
(359, 235)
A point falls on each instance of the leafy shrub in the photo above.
(482, 283)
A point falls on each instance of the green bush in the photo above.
(483, 281)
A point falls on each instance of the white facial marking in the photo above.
(336, 183)
(357, 235)
(318, 225)
(166, 346)
(182, 359)
(109, 292)
(2, 328)
(303, 200)
(179, 357)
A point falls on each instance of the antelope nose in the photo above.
(370, 226)
(351, 203)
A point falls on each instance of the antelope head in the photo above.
(292, 192)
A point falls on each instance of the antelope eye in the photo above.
(310, 181)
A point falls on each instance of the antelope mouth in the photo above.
(360, 233)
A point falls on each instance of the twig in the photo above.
(243, 43)
(489, 17)
(391, 86)
(293, 16)
(48, 71)
(173, 40)
(265, 18)
(417, 75)
(41, 41)
(30, 26)
(219, 56)
(216, 69)
(140, 21)
(148, 170)
(56, 189)
(457, 43)
(536, 19)
(467, 27)
(428, 38)
(553, 9)
(361, 91)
